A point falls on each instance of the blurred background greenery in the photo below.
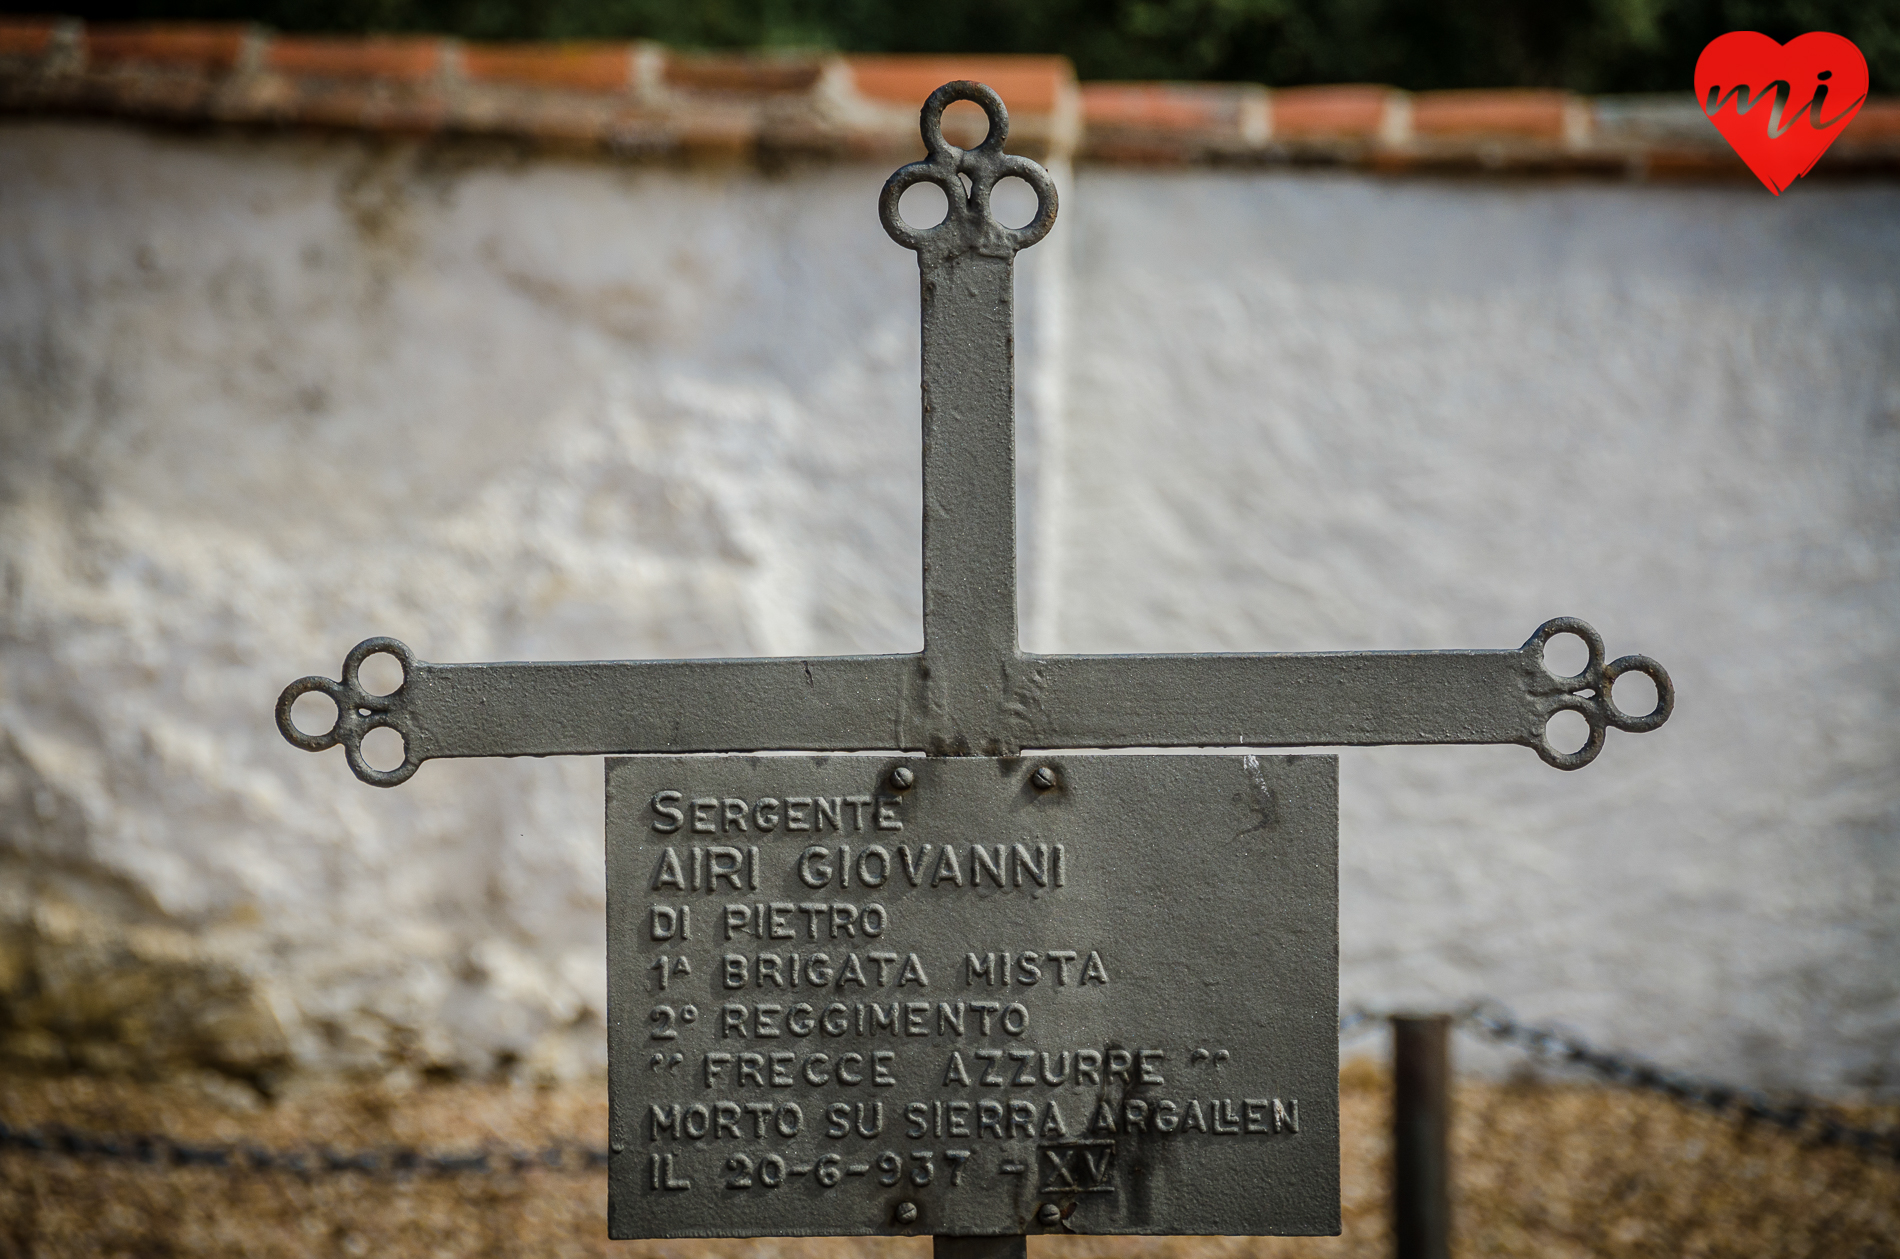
(1585, 45)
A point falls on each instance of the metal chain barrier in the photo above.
(1815, 1121)
(163, 1151)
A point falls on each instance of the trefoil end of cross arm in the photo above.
(1589, 693)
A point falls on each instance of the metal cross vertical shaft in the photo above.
(967, 272)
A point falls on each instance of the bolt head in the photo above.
(1044, 778)
(1050, 1214)
(902, 778)
(906, 1213)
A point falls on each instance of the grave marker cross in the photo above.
(972, 698)
(972, 691)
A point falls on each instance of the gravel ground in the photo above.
(1542, 1168)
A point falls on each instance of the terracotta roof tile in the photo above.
(397, 59)
(27, 36)
(642, 99)
(202, 46)
(588, 67)
(1358, 111)
(737, 73)
(1531, 115)
(1030, 84)
(1877, 120)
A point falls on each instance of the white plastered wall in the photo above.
(262, 398)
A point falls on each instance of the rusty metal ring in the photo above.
(900, 183)
(930, 118)
(968, 221)
(353, 664)
(352, 740)
(1665, 694)
(296, 691)
(1599, 725)
(357, 713)
(1592, 675)
(1011, 166)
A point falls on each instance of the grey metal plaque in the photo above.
(867, 994)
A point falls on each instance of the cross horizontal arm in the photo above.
(588, 708)
(1286, 700)
(861, 703)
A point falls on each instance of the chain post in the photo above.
(1421, 1124)
(1004, 1247)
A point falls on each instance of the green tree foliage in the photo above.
(1586, 45)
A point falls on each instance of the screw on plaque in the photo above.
(906, 1213)
(1049, 1214)
(1044, 779)
(902, 778)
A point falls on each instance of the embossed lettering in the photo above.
(723, 862)
(668, 873)
(777, 927)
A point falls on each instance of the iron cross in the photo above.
(909, 878)
(972, 690)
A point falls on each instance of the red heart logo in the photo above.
(1813, 86)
